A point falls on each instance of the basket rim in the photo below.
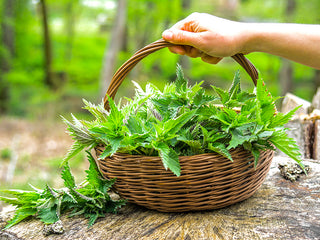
(184, 158)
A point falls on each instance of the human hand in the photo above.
(206, 36)
(212, 38)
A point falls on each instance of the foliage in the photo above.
(184, 120)
(78, 43)
(90, 198)
(5, 153)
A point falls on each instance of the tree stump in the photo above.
(280, 209)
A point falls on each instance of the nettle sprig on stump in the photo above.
(90, 198)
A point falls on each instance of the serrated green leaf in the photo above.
(135, 125)
(241, 135)
(21, 214)
(73, 151)
(221, 149)
(172, 126)
(106, 152)
(67, 177)
(224, 95)
(256, 155)
(262, 94)
(181, 83)
(170, 158)
(49, 193)
(235, 86)
(22, 195)
(68, 198)
(281, 119)
(267, 113)
(195, 146)
(93, 175)
(12, 201)
(265, 134)
(48, 215)
(79, 132)
(232, 114)
(92, 218)
(201, 98)
(115, 117)
(96, 110)
(287, 145)
(243, 97)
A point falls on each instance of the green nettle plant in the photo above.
(90, 198)
(184, 120)
(181, 120)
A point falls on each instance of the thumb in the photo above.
(177, 36)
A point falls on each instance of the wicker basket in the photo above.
(207, 181)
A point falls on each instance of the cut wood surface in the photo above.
(280, 209)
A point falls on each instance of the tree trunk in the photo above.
(316, 80)
(280, 209)
(229, 8)
(46, 46)
(184, 61)
(113, 48)
(286, 75)
(8, 39)
(69, 23)
(290, 8)
(286, 71)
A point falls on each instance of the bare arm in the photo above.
(213, 38)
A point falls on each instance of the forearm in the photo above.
(212, 38)
(297, 42)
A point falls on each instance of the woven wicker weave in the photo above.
(207, 181)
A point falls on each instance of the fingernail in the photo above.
(167, 35)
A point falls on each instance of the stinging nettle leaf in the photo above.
(48, 215)
(21, 214)
(220, 149)
(73, 151)
(169, 157)
(235, 86)
(67, 176)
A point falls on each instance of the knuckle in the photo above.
(180, 38)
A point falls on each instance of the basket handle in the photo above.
(122, 72)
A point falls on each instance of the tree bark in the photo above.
(46, 46)
(229, 8)
(69, 23)
(113, 48)
(8, 39)
(286, 76)
(286, 71)
(184, 61)
(290, 8)
(316, 80)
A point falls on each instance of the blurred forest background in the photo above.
(53, 53)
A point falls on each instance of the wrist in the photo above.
(251, 38)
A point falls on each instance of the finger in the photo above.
(185, 23)
(209, 59)
(193, 52)
(177, 36)
(177, 49)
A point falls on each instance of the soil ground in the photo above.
(39, 148)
